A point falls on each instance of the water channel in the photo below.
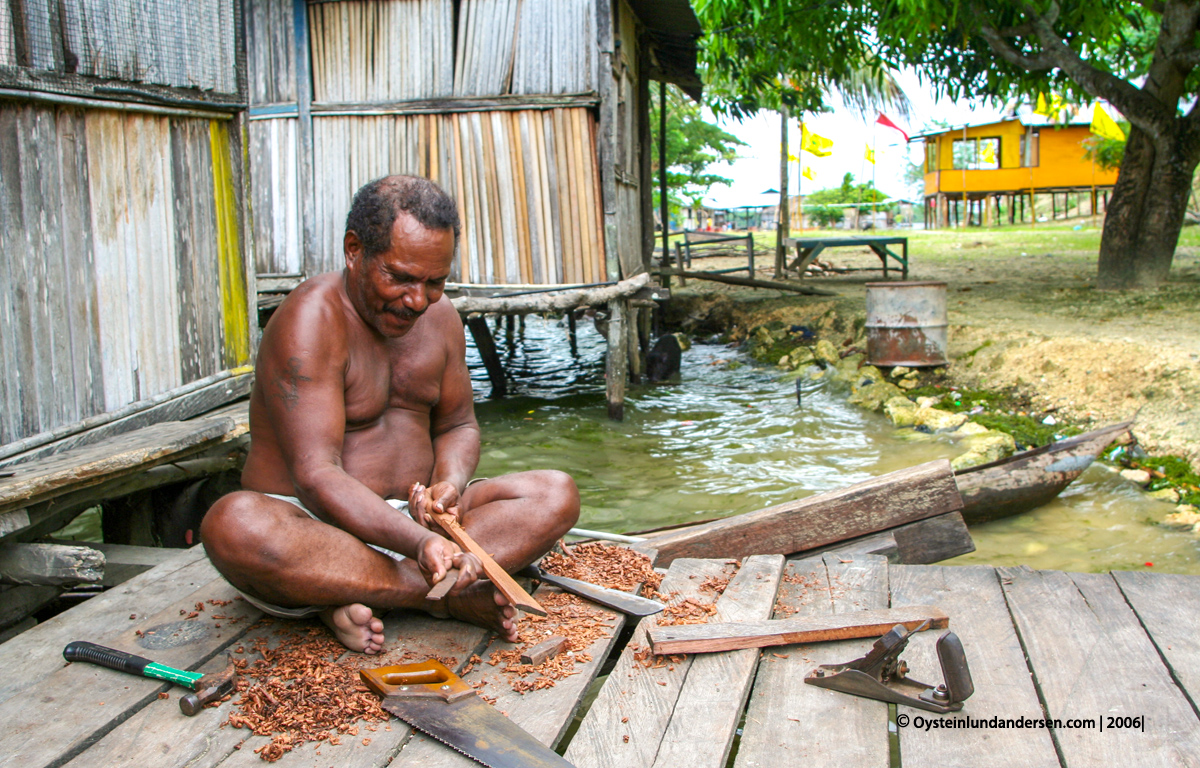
(729, 437)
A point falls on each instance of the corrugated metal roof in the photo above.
(673, 16)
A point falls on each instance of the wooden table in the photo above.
(1041, 644)
(808, 248)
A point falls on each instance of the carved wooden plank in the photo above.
(85, 701)
(1091, 658)
(626, 723)
(896, 498)
(498, 576)
(38, 480)
(709, 707)
(36, 653)
(813, 726)
(443, 587)
(1003, 685)
(1173, 623)
(709, 638)
(546, 713)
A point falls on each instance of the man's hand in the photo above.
(437, 555)
(440, 497)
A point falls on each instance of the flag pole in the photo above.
(874, 164)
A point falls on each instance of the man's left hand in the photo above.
(440, 497)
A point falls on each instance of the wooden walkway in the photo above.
(1041, 644)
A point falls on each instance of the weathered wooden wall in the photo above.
(122, 272)
(494, 99)
(190, 45)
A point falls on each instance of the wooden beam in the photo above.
(449, 106)
(926, 541)
(550, 301)
(50, 565)
(745, 281)
(736, 635)
(124, 561)
(878, 504)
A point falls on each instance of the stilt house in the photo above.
(980, 174)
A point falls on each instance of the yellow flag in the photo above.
(1041, 108)
(808, 173)
(987, 153)
(1105, 126)
(870, 155)
(792, 158)
(814, 144)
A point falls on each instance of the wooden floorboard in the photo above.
(1091, 658)
(84, 701)
(1168, 605)
(790, 723)
(710, 704)
(545, 713)
(37, 652)
(1003, 686)
(626, 723)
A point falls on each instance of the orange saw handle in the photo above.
(426, 679)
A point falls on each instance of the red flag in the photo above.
(883, 120)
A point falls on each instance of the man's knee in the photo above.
(560, 494)
(236, 528)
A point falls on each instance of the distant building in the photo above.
(985, 174)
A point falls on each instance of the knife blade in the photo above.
(624, 602)
(435, 701)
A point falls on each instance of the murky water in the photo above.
(729, 437)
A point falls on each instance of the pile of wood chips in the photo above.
(302, 690)
(608, 565)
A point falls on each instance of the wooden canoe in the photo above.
(1029, 479)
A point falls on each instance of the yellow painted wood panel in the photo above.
(231, 269)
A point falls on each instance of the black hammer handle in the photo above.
(81, 650)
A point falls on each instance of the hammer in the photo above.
(205, 688)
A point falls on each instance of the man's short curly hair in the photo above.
(377, 204)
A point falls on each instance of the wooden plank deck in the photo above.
(1041, 645)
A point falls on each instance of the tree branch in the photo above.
(997, 42)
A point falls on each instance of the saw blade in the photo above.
(471, 726)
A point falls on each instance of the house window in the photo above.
(977, 154)
(931, 156)
(1029, 149)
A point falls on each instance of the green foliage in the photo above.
(826, 206)
(1107, 153)
(693, 144)
(1171, 472)
(789, 54)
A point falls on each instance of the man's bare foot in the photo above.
(483, 605)
(355, 626)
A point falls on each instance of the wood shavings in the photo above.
(303, 690)
(580, 622)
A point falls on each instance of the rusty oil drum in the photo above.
(906, 324)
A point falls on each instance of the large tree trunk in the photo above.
(1145, 214)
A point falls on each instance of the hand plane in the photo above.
(883, 675)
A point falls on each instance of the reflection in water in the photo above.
(730, 438)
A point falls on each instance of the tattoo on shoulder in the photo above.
(289, 383)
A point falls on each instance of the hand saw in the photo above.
(434, 700)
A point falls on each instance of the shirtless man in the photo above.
(362, 396)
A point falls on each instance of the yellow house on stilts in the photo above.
(979, 175)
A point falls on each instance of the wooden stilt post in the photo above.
(571, 337)
(509, 329)
(616, 368)
(487, 350)
(632, 347)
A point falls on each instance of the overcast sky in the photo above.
(758, 168)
